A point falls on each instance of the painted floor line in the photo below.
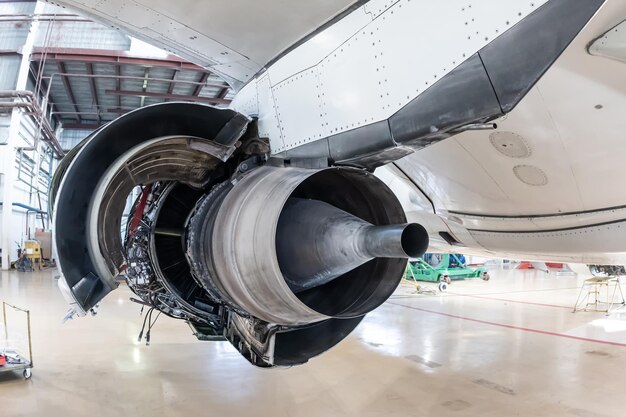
(518, 292)
(524, 291)
(509, 326)
(510, 301)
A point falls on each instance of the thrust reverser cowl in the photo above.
(86, 260)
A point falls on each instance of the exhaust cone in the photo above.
(317, 242)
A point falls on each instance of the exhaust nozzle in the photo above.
(297, 246)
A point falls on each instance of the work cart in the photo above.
(442, 269)
(12, 359)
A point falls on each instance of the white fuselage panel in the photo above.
(368, 65)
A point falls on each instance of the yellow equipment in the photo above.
(32, 250)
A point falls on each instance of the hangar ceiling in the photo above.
(90, 87)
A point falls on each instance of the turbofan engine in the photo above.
(281, 259)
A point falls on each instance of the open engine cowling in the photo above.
(282, 261)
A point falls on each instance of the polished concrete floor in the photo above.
(507, 347)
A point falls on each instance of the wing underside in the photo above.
(233, 38)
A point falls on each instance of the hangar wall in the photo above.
(26, 162)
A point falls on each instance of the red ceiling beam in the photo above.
(34, 15)
(93, 113)
(68, 89)
(92, 86)
(119, 77)
(112, 57)
(44, 19)
(170, 89)
(200, 86)
(118, 86)
(223, 91)
(87, 126)
(43, 86)
(120, 110)
(168, 96)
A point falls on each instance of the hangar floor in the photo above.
(510, 346)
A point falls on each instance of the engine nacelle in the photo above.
(282, 261)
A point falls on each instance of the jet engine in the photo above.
(283, 258)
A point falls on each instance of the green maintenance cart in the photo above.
(442, 268)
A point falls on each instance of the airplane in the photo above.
(362, 133)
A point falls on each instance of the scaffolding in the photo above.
(590, 295)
